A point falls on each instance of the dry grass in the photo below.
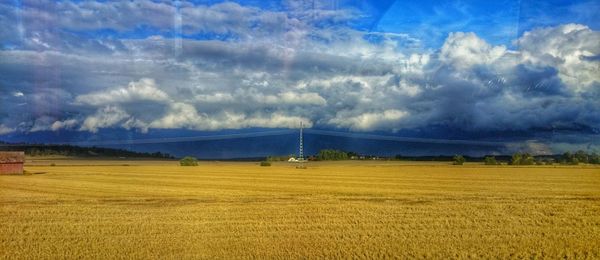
(338, 210)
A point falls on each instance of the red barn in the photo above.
(11, 162)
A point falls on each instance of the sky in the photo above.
(524, 74)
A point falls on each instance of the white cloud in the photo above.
(277, 120)
(218, 98)
(110, 116)
(144, 89)
(408, 88)
(42, 123)
(66, 124)
(181, 115)
(388, 119)
(5, 129)
(290, 98)
(570, 48)
(462, 50)
(254, 97)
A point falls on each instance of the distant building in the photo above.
(12, 162)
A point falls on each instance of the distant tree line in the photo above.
(579, 157)
(434, 158)
(568, 158)
(332, 155)
(323, 155)
(78, 151)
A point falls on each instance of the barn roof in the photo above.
(12, 157)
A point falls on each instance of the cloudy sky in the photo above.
(525, 73)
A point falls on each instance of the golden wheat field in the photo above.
(330, 210)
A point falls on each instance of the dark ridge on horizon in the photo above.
(79, 151)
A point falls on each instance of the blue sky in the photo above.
(525, 73)
(498, 22)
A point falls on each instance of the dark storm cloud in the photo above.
(538, 81)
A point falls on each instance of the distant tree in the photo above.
(516, 159)
(581, 156)
(539, 162)
(188, 161)
(458, 160)
(575, 161)
(527, 159)
(594, 158)
(522, 159)
(566, 158)
(490, 160)
(265, 163)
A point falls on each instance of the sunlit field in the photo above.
(330, 210)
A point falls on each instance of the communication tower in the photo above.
(301, 149)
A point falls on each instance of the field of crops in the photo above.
(330, 210)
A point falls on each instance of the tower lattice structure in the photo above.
(301, 148)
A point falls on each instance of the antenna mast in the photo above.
(301, 151)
